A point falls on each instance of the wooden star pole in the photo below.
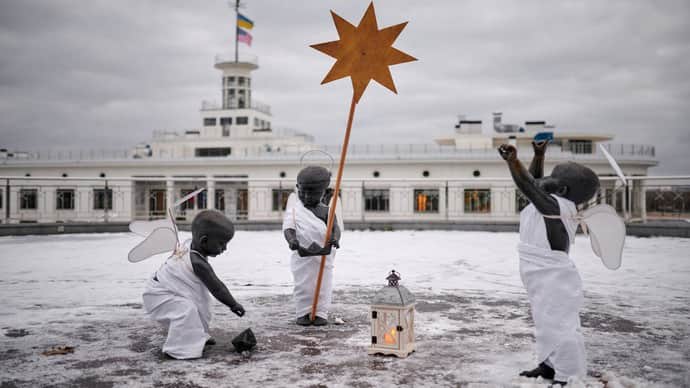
(363, 53)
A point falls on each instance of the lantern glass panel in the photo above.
(386, 329)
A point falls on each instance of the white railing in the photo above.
(622, 152)
(242, 57)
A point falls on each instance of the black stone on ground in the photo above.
(244, 341)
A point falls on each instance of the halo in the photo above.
(301, 159)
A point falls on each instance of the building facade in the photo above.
(249, 169)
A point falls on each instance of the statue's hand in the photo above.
(319, 251)
(312, 250)
(237, 309)
(507, 152)
(540, 147)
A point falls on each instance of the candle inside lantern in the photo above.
(389, 337)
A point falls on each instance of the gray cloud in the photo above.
(106, 74)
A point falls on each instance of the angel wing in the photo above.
(613, 164)
(606, 234)
(145, 228)
(161, 235)
(161, 240)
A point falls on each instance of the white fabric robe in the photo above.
(555, 292)
(180, 301)
(305, 270)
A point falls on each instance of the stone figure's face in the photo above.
(311, 194)
(312, 182)
(215, 242)
(553, 185)
(572, 181)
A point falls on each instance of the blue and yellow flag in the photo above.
(244, 22)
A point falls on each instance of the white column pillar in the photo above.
(47, 204)
(13, 201)
(210, 193)
(624, 200)
(643, 201)
(169, 193)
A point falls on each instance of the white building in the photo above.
(248, 169)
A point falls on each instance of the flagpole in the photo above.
(237, 28)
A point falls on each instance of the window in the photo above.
(376, 200)
(225, 120)
(280, 197)
(256, 122)
(220, 200)
(477, 201)
(28, 199)
(1, 192)
(240, 81)
(202, 197)
(580, 146)
(188, 204)
(64, 199)
(212, 152)
(102, 198)
(242, 120)
(426, 201)
(231, 80)
(209, 121)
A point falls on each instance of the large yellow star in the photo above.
(364, 52)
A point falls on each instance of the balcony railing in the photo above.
(622, 152)
(242, 57)
(255, 105)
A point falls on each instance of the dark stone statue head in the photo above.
(211, 232)
(312, 182)
(572, 181)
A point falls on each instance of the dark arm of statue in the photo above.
(313, 250)
(543, 201)
(203, 270)
(536, 167)
(335, 235)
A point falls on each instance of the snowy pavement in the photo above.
(473, 326)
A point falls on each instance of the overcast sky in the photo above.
(105, 74)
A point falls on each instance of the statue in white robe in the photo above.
(304, 227)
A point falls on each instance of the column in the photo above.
(624, 200)
(169, 193)
(210, 193)
(643, 201)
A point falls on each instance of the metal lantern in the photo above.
(392, 319)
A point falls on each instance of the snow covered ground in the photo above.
(473, 326)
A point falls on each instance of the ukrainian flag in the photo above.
(244, 22)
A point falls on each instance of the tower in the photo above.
(238, 115)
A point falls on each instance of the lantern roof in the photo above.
(394, 295)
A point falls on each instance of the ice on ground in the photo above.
(472, 324)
